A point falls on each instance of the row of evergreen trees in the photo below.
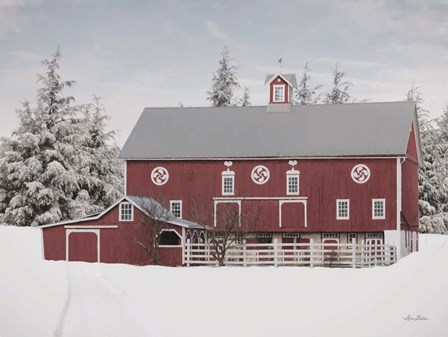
(433, 173)
(60, 163)
(225, 81)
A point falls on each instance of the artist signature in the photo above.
(415, 318)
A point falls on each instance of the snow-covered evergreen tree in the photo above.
(243, 100)
(102, 171)
(305, 93)
(339, 93)
(224, 82)
(432, 177)
(42, 181)
(427, 177)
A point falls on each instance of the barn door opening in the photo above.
(330, 244)
(82, 245)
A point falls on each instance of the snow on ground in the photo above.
(44, 298)
(32, 291)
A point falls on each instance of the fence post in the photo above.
(353, 253)
(275, 253)
(363, 256)
(311, 253)
(244, 253)
(187, 252)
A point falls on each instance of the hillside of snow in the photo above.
(47, 298)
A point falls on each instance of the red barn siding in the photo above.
(321, 182)
(54, 243)
(293, 216)
(262, 215)
(409, 186)
(83, 246)
(170, 256)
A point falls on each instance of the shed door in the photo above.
(83, 246)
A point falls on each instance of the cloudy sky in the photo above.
(137, 54)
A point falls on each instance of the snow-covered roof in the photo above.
(143, 204)
(323, 130)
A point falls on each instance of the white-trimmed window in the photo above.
(330, 235)
(378, 209)
(126, 211)
(176, 208)
(279, 93)
(292, 182)
(374, 235)
(264, 235)
(228, 184)
(342, 209)
(352, 236)
(290, 235)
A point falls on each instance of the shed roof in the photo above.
(143, 204)
(323, 130)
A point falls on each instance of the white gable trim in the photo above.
(417, 139)
(281, 76)
(86, 219)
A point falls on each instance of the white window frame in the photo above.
(292, 174)
(172, 202)
(227, 175)
(351, 236)
(280, 86)
(338, 217)
(330, 236)
(120, 217)
(378, 217)
(264, 235)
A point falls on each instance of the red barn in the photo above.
(327, 173)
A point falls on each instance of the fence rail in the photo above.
(300, 254)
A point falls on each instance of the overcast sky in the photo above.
(138, 54)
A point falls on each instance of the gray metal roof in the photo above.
(290, 78)
(360, 129)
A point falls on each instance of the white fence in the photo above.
(294, 254)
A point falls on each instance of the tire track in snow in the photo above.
(59, 329)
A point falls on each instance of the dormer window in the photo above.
(279, 93)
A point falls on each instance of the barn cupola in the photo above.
(281, 91)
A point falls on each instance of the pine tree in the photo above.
(432, 173)
(244, 100)
(339, 93)
(442, 159)
(224, 81)
(102, 173)
(305, 93)
(42, 179)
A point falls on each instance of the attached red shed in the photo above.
(114, 236)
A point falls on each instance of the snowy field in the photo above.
(45, 298)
